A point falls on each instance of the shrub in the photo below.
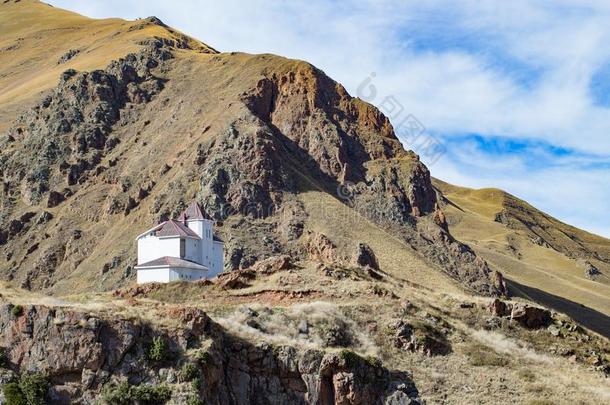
(350, 358)
(34, 387)
(13, 394)
(124, 394)
(188, 372)
(196, 384)
(374, 362)
(479, 356)
(116, 394)
(203, 357)
(150, 394)
(17, 310)
(193, 400)
(158, 349)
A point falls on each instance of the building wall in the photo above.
(178, 274)
(193, 250)
(159, 275)
(217, 259)
(168, 274)
(205, 229)
(151, 248)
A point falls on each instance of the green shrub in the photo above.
(350, 358)
(17, 310)
(34, 387)
(158, 349)
(116, 394)
(203, 357)
(193, 400)
(150, 394)
(188, 372)
(374, 362)
(13, 394)
(124, 394)
(196, 384)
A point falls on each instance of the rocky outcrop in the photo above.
(321, 249)
(424, 339)
(67, 133)
(82, 353)
(528, 316)
(591, 272)
(272, 264)
(365, 257)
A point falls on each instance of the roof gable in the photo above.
(193, 212)
(175, 228)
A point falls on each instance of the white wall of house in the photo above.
(152, 247)
(217, 265)
(193, 250)
(168, 274)
(177, 274)
(153, 275)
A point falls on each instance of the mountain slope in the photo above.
(106, 153)
(532, 248)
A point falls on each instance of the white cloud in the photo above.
(516, 69)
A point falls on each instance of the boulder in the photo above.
(54, 199)
(365, 257)
(499, 308)
(272, 264)
(530, 317)
(236, 279)
(321, 249)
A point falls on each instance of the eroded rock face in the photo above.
(321, 249)
(80, 353)
(66, 135)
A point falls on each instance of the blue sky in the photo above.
(517, 92)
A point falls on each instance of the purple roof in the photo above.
(193, 211)
(175, 228)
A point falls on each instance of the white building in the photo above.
(183, 249)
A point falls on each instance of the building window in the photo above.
(182, 248)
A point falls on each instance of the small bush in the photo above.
(374, 362)
(34, 387)
(17, 310)
(158, 349)
(116, 394)
(203, 357)
(124, 394)
(193, 400)
(479, 356)
(188, 372)
(196, 384)
(350, 358)
(13, 394)
(150, 394)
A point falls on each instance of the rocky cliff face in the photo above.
(86, 357)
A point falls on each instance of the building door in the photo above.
(182, 248)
